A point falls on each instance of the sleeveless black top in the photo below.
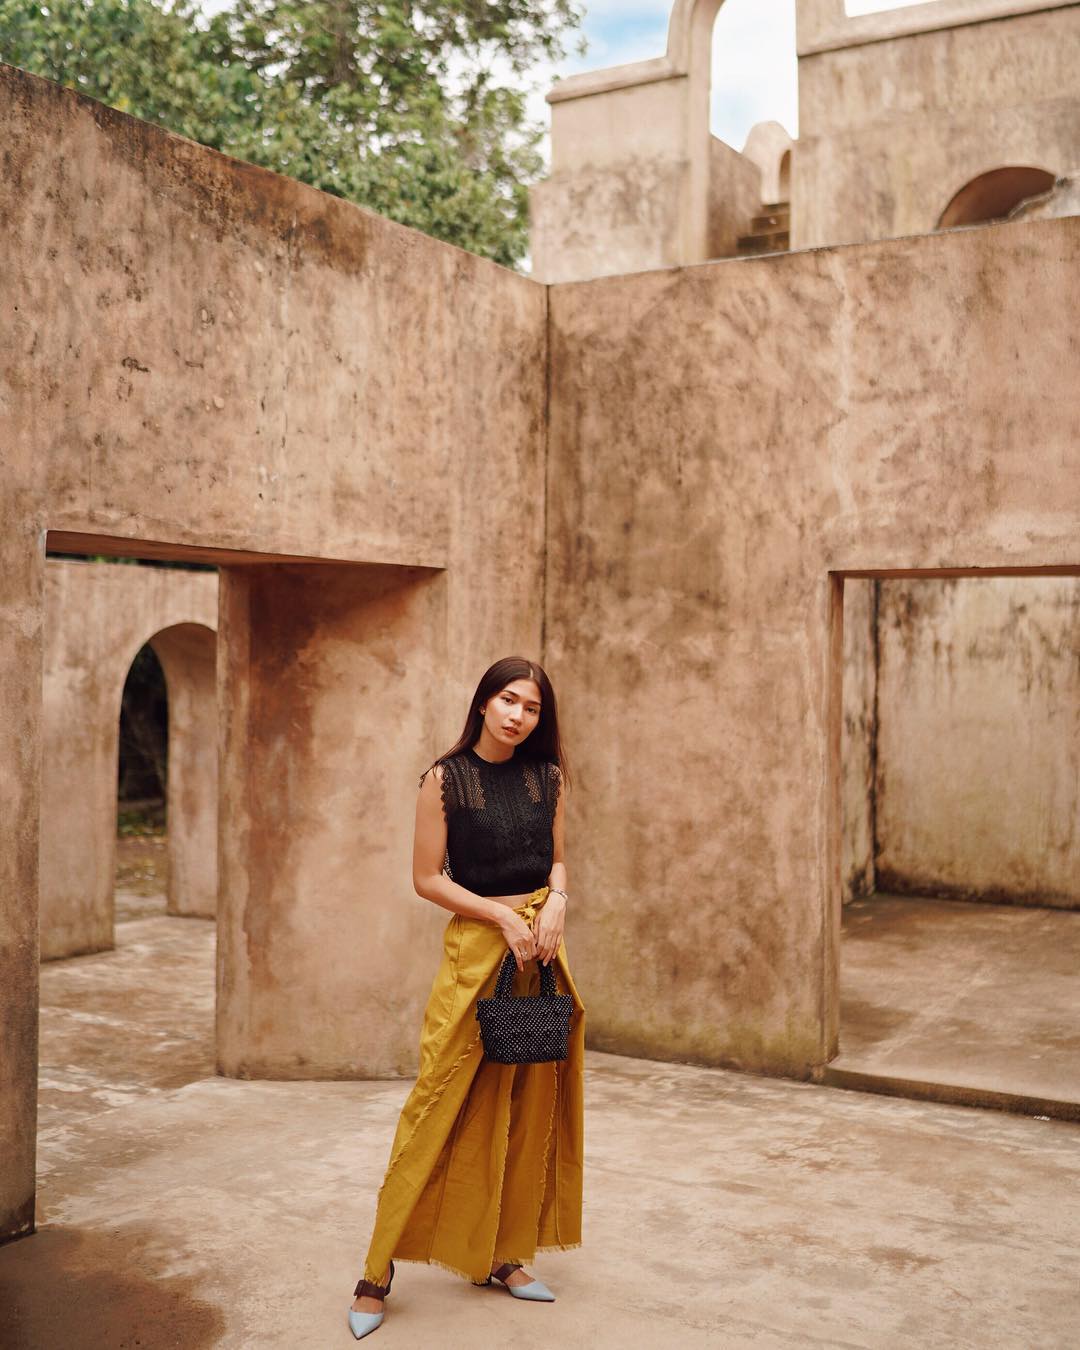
(498, 822)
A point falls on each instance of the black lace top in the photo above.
(498, 822)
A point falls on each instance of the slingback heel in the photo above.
(537, 1290)
(361, 1323)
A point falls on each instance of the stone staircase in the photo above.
(770, 232)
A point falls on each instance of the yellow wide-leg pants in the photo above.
(486, 1163)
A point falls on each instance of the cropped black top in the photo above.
(499, 822)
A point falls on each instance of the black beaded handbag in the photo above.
(529, 1028)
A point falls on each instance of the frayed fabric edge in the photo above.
(443, 1265)
(430, 1104)
(465, 1275)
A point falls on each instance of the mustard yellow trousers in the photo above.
(486, 1163)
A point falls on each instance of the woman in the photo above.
(486, 1164)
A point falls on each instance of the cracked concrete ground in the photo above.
(721, 1209)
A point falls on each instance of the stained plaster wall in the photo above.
(722, 437)
(859, 738)
(977, 784)
(315, 386)
(898, 111)
(198, 354)
(97, 616)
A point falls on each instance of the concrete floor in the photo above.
(720, 1209)
(980, 1002)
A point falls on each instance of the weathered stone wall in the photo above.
(200, 355)
(332, 678)
(97, 617)
(636, 179)
(978, 768)
(859, 737)
(207, 356)
(898, 111)
(722, 437)
(734, 198)
(961, 776)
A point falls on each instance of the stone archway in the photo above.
(992, 195)
(97, 618)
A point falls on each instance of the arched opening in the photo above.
(166, 851)
(992, 195)
(785, 177)
(754, 70)
(141, 789)
(188, 656)
(747, 209)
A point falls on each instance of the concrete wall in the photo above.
(734, 197)
(899, 110)
(722, 438)
(859, 747)
(636, 179)
(97, 618)
(205, 359)
(332, 676)
(188, 656)
(978, 766)
(961, 776)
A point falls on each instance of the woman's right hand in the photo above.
(519, 937)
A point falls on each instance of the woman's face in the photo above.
(513, 712)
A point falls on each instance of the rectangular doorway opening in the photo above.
(955, 832)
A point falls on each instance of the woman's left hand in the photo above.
(548, 928)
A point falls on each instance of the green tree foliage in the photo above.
(414, 108)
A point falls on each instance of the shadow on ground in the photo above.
(89, 1289)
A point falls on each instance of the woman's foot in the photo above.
(517, 1276)
(368, 1304)
(521, 1284)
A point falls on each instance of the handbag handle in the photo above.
(504, 985)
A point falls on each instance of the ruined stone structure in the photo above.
(96, 618)
(407, 461)
(918, 118)
(924, 117)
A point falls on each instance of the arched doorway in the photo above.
(168, 765)
(992, 195)
(141, 790)
(99, 617)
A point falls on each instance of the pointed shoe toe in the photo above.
(537, 1291)
(361, 1324)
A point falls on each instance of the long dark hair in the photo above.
(543, 742)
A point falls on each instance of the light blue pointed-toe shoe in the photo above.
(360, 1323)
(537, 1290)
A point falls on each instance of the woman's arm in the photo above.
(557, 875)
(551, 920)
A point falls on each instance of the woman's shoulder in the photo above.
(447, 775)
